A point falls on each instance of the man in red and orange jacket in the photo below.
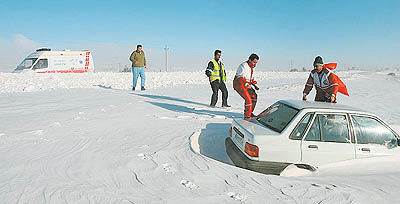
(326, 83)
(242, 84)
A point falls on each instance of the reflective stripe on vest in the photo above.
(217, 69)
(323, 80)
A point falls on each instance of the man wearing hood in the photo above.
(325, 83)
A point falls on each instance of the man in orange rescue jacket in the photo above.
(242, 84)
(326, 83)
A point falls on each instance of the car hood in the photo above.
(254, 127)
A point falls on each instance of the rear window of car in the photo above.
(277, 116)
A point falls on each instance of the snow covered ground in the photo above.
(86, 138)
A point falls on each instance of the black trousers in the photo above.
(215, 86)
(323, 96)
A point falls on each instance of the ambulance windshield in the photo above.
(26, 64)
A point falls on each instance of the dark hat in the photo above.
(318, 61)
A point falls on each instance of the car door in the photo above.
(327, 140)
(373, 137)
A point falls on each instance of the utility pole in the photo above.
(291, 64)
(166, 58)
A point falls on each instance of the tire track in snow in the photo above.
(137, 177)
(194, 155)
(198, 161)
(62, 156)
(53, 167)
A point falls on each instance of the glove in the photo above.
(333, 98)
(304, 97)
(244, 83)
(256, 87)
(208, 73)
(253, 81)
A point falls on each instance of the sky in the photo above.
(285, 34)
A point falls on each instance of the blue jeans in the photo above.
(136, 72)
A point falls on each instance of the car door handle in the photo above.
(364, 149)
(313, 146)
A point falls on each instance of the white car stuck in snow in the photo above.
(308, 134)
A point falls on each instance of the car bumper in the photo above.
(240, 160)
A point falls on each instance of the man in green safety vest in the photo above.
(217, 77)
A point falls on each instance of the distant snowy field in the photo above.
(30, 82)
(86, 138)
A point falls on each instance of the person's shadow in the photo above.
(179, 108)
(170, 99)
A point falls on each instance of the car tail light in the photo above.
(251, 150)
(230, 131)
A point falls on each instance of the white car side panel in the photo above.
(279, 149)
(374, 150)
(318, 153)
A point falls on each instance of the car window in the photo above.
(314, 134)
(26, 64)
(41, 64)
(298, 132)
(371, 131)
(334, 128)
(277, 116)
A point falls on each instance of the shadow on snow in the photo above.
(212, 141)
(212, 138)
(171, 99)
(179, 108)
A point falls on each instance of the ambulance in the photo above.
(45, 60)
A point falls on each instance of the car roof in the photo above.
(300, 104)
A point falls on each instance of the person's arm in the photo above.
(333, 82)
(239, 71)
(132, 57)
(144, 58)
(209, 69)
(241, 74)
(308, 87)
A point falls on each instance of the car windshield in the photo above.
(277, 116)
(26, 64)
